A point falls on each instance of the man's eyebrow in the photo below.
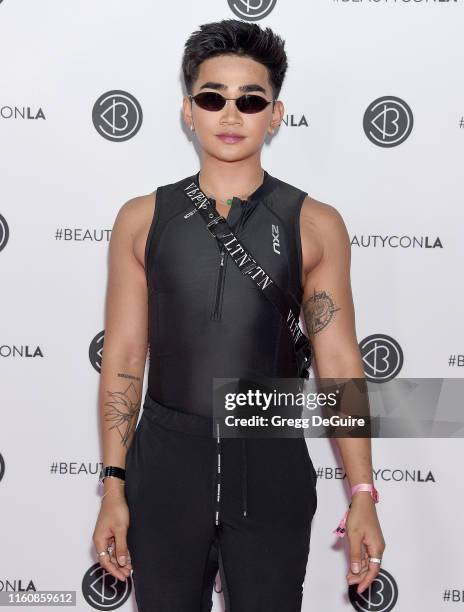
(244, 88)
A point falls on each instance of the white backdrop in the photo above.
(347, 140)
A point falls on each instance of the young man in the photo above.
(191, 503)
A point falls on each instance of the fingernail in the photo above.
(122, 560)
(355, 568)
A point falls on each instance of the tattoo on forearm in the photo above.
(319, 311)
(123, 412)
(128, 376)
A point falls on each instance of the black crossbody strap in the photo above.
(219, 228)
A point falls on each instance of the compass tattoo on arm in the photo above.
(318, 311)
(123, 412)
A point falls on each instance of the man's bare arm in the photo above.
(329, 315)
(330, 321)
(126, 341)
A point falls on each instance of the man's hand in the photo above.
(365, 540)
(111, 530)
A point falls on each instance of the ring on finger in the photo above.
(375, 560)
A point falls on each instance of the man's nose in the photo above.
(231, 111)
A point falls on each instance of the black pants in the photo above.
(200, 503)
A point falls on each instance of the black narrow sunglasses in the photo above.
(213, 101)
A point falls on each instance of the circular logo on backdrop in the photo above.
(2, 460)
(117, 115)
(103, 591)
(4, 231)
(382, 357)
(251, 10)
(380, 596)
(96, 351)
(388, 121)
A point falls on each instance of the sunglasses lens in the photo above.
(212, 101)
(209, 100)
(251, 104)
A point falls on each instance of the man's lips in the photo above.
(230, 138)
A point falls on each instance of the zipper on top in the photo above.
(242, 216)
(219, 286)
(217, 309)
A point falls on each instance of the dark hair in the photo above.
(232, 36)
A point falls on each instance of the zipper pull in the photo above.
(222, 257)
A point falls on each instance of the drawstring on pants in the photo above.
(243, 466)
(218, 473)
(244, 477)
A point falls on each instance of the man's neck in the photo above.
(223, 180)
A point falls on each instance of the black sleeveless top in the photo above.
(205, 319)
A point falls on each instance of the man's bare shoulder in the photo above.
(321, 227)
(134, 213)
(322, 221)
(133, 220)
(317, 214)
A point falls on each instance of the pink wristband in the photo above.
(340, 531)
